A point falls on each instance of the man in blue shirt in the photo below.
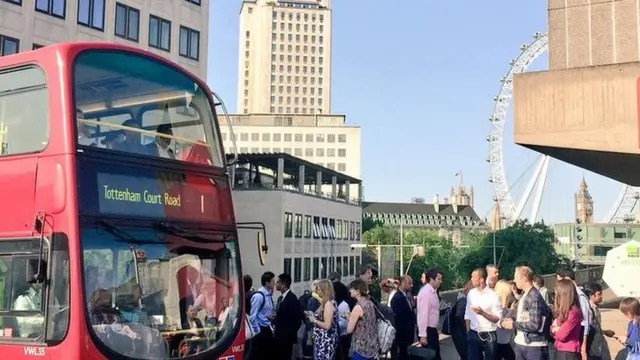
(261, 318)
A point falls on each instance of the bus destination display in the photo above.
(165, 196)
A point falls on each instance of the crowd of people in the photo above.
(492, 318)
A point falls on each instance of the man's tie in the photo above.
(279, 302)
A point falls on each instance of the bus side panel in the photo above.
(17, 192)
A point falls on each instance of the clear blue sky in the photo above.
(419, 77)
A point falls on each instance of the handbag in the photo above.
(249, 333)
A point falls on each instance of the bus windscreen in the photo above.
(151, 194)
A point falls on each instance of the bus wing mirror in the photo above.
(36, 271)
(261, 238)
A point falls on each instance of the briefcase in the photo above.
(422, 353)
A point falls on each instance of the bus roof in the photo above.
(43, 54)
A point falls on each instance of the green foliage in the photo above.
(368, 224)
(519, 244)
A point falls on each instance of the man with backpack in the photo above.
(261, 318)
(533, 319)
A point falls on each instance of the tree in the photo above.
(519, 244)
(368, 224)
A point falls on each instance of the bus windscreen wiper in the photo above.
(185, 234)
(125, 237)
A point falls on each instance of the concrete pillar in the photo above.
(334, 187)
(319, 182)
(301, 178)
(280, 174)
(347, 191)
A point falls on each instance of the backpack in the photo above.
(304, 300)
(547, 318)
(386, 333)
(449, 319)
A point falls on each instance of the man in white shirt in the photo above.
(30, 300)
(483, 312)
(584, 307)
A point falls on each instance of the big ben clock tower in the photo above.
(584, 204)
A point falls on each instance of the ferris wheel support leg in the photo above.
(540, 190)
(529, 189)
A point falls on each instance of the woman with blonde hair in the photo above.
(325, 321)
(504, 351)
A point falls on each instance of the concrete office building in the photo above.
(284, 57)
(309, 233)
(321, 139)
(175, 29)
(596, 240)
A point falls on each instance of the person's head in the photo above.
(630, 307)
(358, 289)
(566, 298)
(131, 136)
(100, 299)
(503, 289)
(479, 277)
(268, 280)
(406, 283)
(366, 273)
(248, 283)
(468, 286)
(284, 282)
(192, 312)
(435, 278)
(594, 291)
(523, 277)
(423, 278)
(325, 290)
(492, 274)
(314, 286)
(334, 276)
(538, 281)
(164, 129)
(566, 273)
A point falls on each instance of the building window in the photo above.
(298, 226)
(288, 225)
(342, 167)
(286, 264)
(324, 227)
(9, 45)
(342, 138)
(91, 13)
(307, 269)
(297, 270)
(323, 274)
(197, 2)
(308, 152)
(127, 22)
(55, 8)
(339, 229)
(352, 265)
(352, 230)
(358, 231)
(317, 229)
(17, 2)
(332, 229)
(189, 43)
(159, 33)
(308, 227)
(316, 268)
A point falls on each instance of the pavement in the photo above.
(612, 319)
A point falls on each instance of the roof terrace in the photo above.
(281, 171)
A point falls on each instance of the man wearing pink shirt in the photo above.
(428, 305)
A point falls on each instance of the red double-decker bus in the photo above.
(117, 233)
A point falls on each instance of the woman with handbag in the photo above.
(362, 323)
